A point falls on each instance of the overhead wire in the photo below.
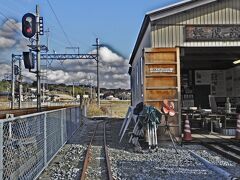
(64, 32)
(10, 10)
(59, 23)
(67, 37)
(10, 20)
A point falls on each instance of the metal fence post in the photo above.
(84, 110)
(45, 138)
(1, 150)
(76, 117)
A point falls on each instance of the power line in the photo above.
(59, 23)
(10, 20)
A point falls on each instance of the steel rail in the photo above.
(107, 155)
(89, 154)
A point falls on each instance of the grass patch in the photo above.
(109, 108)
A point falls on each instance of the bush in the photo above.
(104, 109)
(94, 110)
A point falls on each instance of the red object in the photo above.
(168, 107)
(187, 136)
(29, 30)
(238, 127)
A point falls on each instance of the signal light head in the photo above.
(29, 25)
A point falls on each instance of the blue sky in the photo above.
(116, 23)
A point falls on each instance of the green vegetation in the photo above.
(5, 86)
(68, 89)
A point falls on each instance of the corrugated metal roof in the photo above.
(165, 12)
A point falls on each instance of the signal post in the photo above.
(31, 27)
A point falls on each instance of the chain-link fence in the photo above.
(28, 143)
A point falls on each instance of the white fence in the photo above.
(28, 143)
(7, 105)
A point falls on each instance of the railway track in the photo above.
(97, 163)
(229, 149)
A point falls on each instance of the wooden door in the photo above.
(162, 81)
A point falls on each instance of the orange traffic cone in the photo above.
(238, 127)
(187, 131)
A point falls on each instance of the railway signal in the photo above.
(16, 70)
(29, 25)
(28, 60)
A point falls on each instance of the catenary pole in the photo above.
(98, 87)
(38, 61)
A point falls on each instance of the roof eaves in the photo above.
(168, 7)
(139, 38)
(165, 11)
(177, 8)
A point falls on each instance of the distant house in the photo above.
(112, 98)
(61, 97)
(32, 90)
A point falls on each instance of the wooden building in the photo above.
(185, 52)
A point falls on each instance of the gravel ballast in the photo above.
(163, 164)
(66, 163)
(126, 164)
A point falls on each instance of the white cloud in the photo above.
(5, 69)
(10, 35)
(106, 55)
(6, 43)
(112, 67)
(113, 71)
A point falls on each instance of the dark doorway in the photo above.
(201, 96)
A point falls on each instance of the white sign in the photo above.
(161, 70)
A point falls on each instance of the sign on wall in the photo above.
(212, 32)
(161, 70)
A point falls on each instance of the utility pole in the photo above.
(97, 59)
(98, 87)
(20, 84)
(73, 93)
(13, 84)
(91, 92)
(38, 60)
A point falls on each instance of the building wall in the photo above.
(169, 31)
(137, 69)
